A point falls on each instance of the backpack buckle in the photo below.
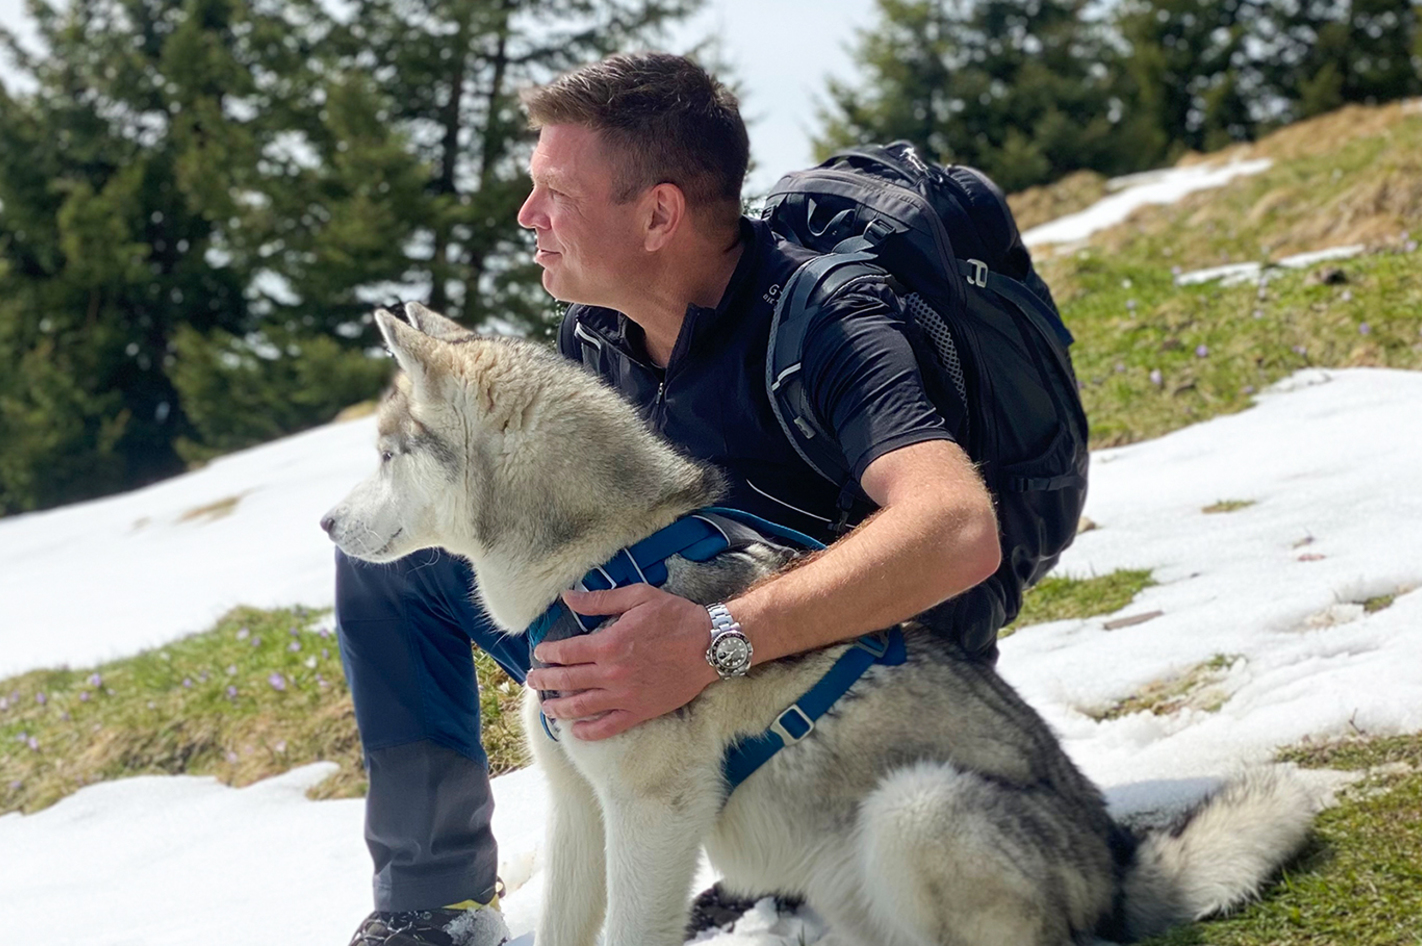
(978, 277)
(878, 231)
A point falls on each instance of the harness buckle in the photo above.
(876, 644)
(979, 276)
(779, 728)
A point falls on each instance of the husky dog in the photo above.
(931, 806)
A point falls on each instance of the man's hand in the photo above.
(650, 661)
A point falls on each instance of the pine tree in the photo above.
(449, 74)
(201, 199)
(1320, 54)
(1021, 90)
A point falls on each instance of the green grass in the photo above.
(1378, 603)
(1153, 357)
(1056, 599)
(1183, 354)
(1359, 883)
(1228, 505)
(258, 694)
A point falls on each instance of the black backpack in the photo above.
(984, 328)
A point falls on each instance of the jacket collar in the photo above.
(756, 239)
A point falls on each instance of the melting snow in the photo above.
(1139, 190)
(1329, 460)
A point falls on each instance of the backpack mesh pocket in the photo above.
(928, 319)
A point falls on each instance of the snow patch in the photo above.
(1140, 190)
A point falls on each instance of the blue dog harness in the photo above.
(699, 537)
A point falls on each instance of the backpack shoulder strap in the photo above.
(806, 289)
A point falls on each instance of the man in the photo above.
(636, 208)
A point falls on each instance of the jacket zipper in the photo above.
(599, 340)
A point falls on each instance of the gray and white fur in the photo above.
(930, 806)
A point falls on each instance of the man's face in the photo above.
(590, 247)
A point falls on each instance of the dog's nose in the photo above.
(328, 522)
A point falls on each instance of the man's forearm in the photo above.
(905, 559)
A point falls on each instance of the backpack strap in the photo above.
(977, 273)
(816, 280)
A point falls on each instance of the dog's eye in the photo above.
(386, 456)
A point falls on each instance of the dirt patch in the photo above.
(1038, 205)
(212, 511)
(1197, 688)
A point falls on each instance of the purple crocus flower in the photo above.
(232, 693)
(33, 743)
(1156, 378)
(84, 696)
(294, 646)
(95, 680)
(1202, 351)
(242, 634)
(277, 681)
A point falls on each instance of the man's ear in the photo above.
(432, 323)
(413, 350)
(666, 214)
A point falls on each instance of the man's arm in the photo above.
(934, 536)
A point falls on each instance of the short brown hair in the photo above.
(665, 118)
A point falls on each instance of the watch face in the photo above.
(731, 651)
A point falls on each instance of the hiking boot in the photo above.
(480, 926)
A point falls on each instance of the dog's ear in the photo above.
(434, 324)
(413, 350)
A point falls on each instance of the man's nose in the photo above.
(529, 215)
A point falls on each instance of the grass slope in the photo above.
(1359, 883)
(258, 694)
(1153, 356)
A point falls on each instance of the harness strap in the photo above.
(798, 721)
(699, 536)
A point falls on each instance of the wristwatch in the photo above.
(730, 651)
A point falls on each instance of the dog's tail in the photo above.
(1218, 854)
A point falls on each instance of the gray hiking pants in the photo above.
(405, 630)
